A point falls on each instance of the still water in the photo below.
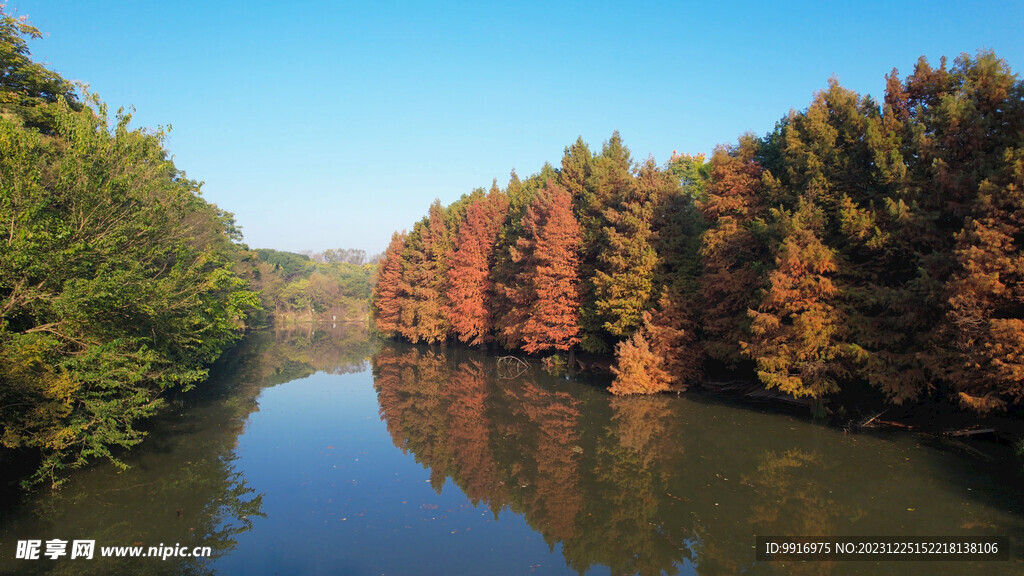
(322, 453)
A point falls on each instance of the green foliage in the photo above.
(624, 279)
(116, 283)
(28, 89)
(297, 288)
(288, 265)
(116, 278)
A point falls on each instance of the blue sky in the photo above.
(332, 124)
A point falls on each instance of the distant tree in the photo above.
(288, 264)
(344, 256)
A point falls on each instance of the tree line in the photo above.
(860, 245)
(329, 286)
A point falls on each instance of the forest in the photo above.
(862, 247)
(118, 281)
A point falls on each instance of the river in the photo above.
(323, 452)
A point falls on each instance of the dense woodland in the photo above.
(117, 279)
(118, 282)
(861, 246)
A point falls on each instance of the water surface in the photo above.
(316, 452)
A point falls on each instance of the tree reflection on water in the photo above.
(662, 485)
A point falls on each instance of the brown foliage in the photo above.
(663, 355)
(983, 323)
(422, 287)
(795, 328)
(730, 250)
(546, 298)
(470, 288)
(387, 303)
(637, 369)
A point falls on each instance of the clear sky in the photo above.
(332, 124)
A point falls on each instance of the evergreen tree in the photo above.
(678, 225)
(423, 317)
(637, 369)
(733, 252)
(984, 328)
(663, 355)
(610, 182)
(505, 274)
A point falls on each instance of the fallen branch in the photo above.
(510, 367)
(868, 422)
(971, 431)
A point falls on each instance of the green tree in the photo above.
(609, 182)
(116, 282)
(624, 280)
(28, 89)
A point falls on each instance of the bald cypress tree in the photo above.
(545, 313)
(624, 280)
(984, 325)
(387, 298)
(609, 183)
(470, 287)
(662, 355)
(423, 315)
(734, 255)
(795, 330)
